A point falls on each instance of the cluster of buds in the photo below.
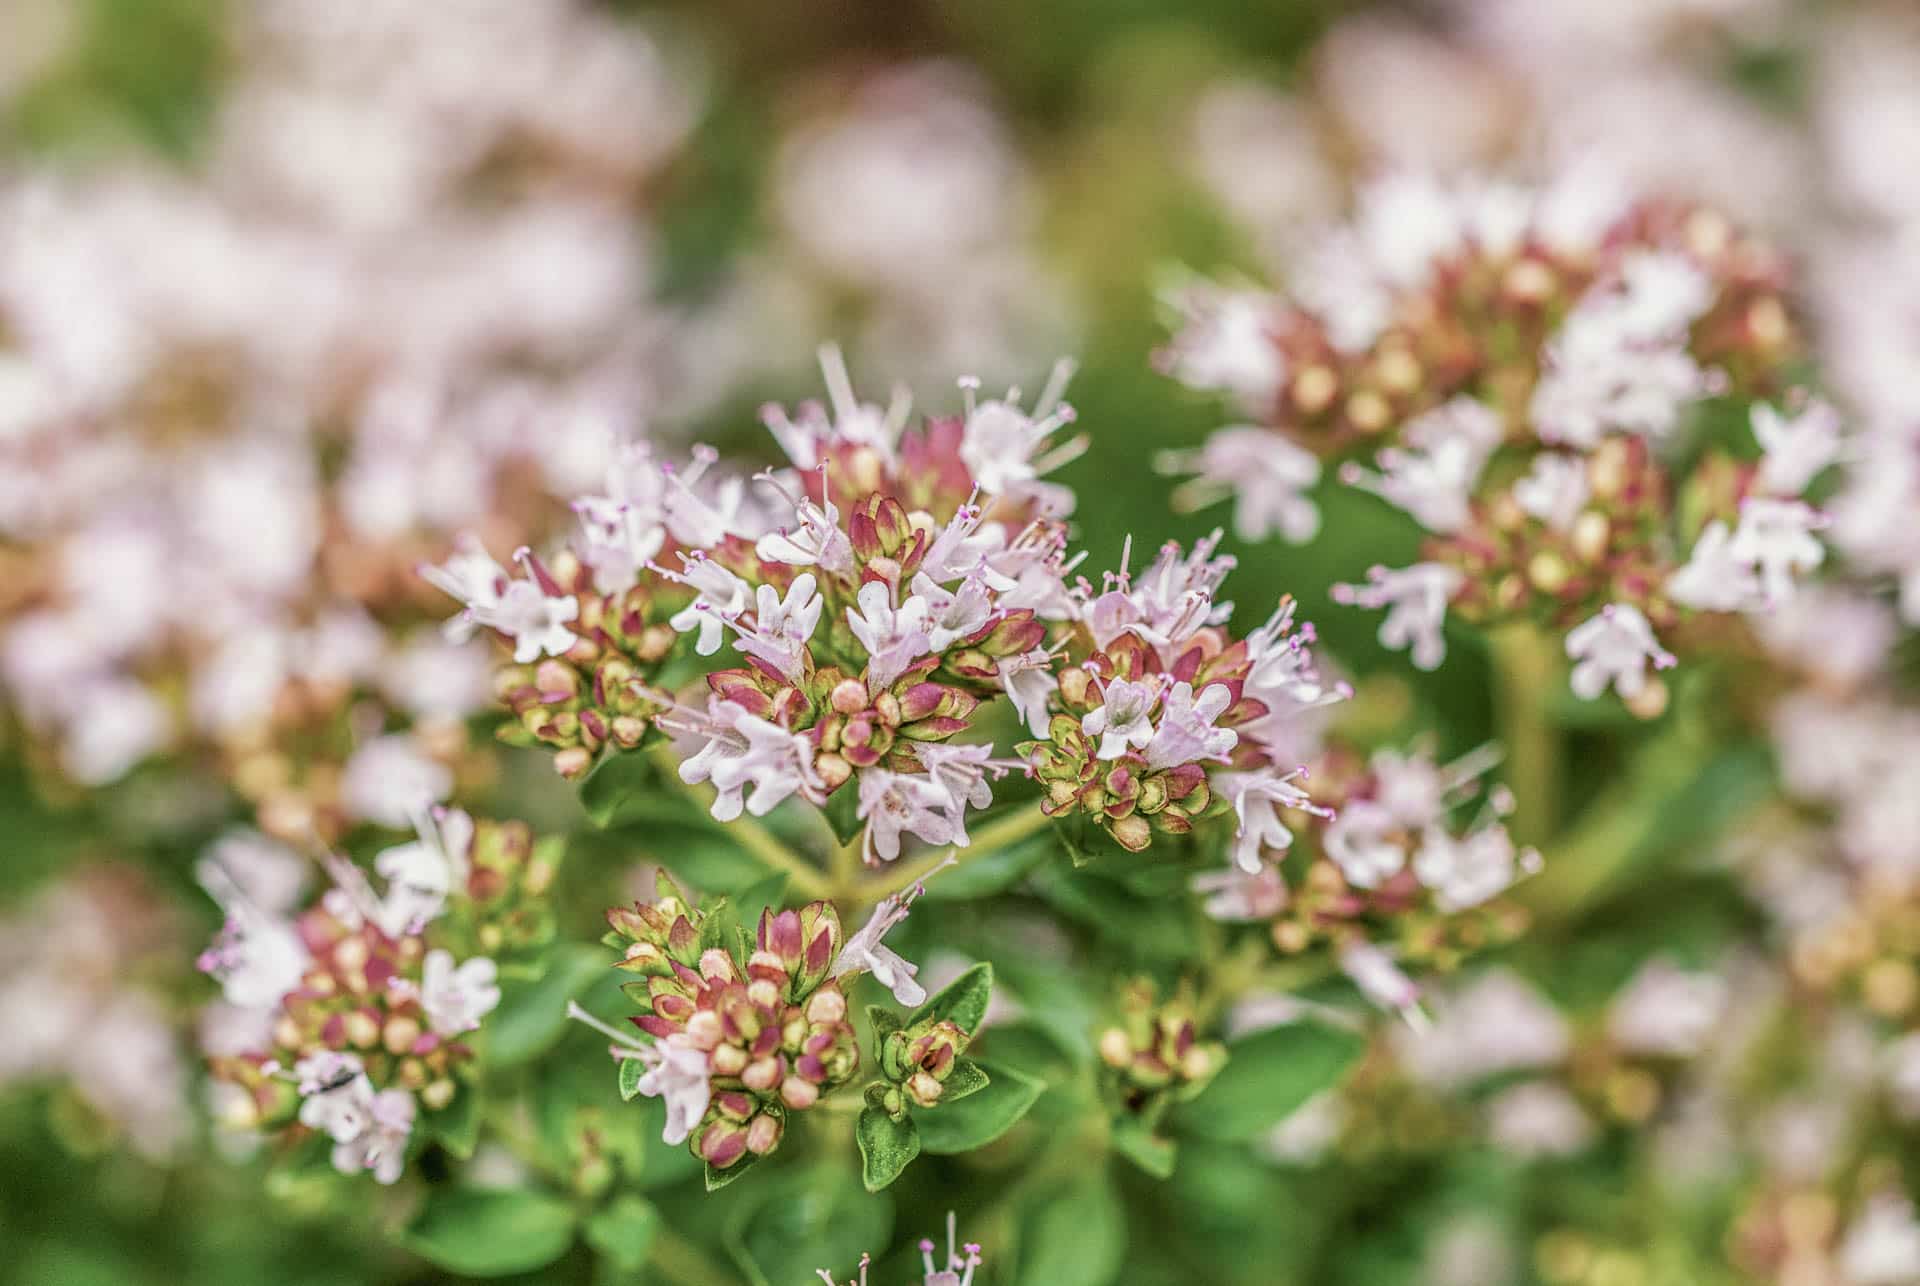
(893, 582)
(1162, 718)
(1155, 1050)
(917, 1063)
(353, 1012)
(746, 1028)
(1512, 364)
(1387, 858)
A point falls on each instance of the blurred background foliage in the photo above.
(1097, 94)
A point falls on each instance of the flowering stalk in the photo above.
(1519, 366)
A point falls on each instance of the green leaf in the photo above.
(766, 895)
(631, 1070)
(1076, 1235)
(492, 1233)
(981, 1117)
(963, 1001)
(457, 1125)
(963, 1078)
(1140, 1145)
(806, 1215)
(623, 1231)
(841, 814)
(1268, 1075)
(883, 1021)
(886, 1146)
(1154, 928)
(532, 1015)
(619, 784)
(718, 1179)
(989, 873)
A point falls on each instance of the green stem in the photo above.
(685, 1262)
(991, 838)
(1612, 828)
(1526, 676)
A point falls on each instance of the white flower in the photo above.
(1267, 476)
(1363, 842)
(1227, 346)
(1882, 1247)
(1257, 798)
(1538, 1119)
(954, 614)
(617, 540)
(1466, 871)
(1613, 647)
(892, 802)
(1667, 1011)
(818, 541)
(114, 724)
(1029, 681)
(782, 628)
(1416, 601)
(335, 1095)
(1186, 733)
(1775, 538)
(961, 771)
(419, 875)
(1434, 486)
(1797, 449)
(1232, 895)
(743, 750)
(258, 958)
(1554, 490)
(1619, 364)
(382, 1146)
(1494, 1025)
(1379, 979)
(1123, 720)
(1712, 579)
(1661, 294)
(719, 596)
(893, 637)
(677, 1072)
(865, 951)
(998, 440)
(535, 620)
(390, 780)
(455, 1000)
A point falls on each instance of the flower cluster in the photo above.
(1388, 857)
(1518, 366)
(1155, 1051)
(748, 1027)
(354, 1013)
(1160, 716)
(894, 598)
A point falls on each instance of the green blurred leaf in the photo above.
(985, 874)
(457, 1125)
(1076, 1235)
(802, 1218)
(622, 787)
(532, 1015)
(1134, 1141)
(491, 1234)
(842, 814)
(982, 1116)
(1268, 1075)
(623, 1231)
(962, 1001)
(886, 1146)
(631, 1070)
